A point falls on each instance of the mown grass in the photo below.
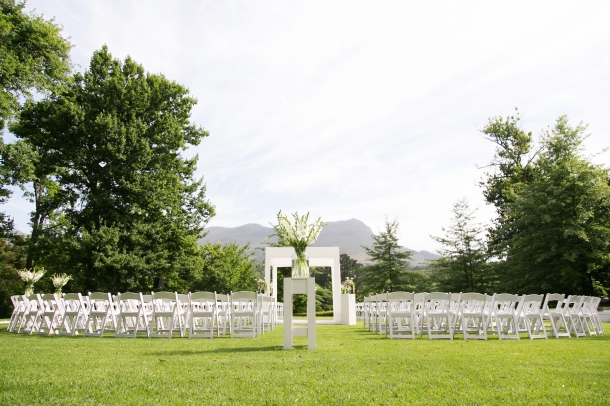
(351, 366)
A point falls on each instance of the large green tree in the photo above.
(513, 164)
(225, 268)
(463, 264)
(117, 202)
(553, 227)
(388, 271)
(34, 57)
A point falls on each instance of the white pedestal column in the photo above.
(348, 309)
(300, 286)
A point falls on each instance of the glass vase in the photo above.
(29, 289)
(300, 265)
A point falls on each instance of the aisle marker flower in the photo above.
(348, 286)
(59, 281)
(31, 276)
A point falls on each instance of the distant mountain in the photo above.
(348, 235)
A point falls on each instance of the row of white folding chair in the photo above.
(574, 314)
(404, 314)
(472, 314)
(92, 315)
(36, 313)
(128, 314)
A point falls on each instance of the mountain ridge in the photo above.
(349, 235)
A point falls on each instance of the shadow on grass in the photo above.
(274, 348)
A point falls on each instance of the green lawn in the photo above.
(351, 366)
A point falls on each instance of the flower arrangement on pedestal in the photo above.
(30, 277)
(262, 286)
(59, 281)
(348, 286)
(298, 236)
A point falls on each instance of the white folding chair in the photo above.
(202, 314)
(102, 314)
(132, 317)
(586, 315)
(223, 310)
(164, 313)
(475, 317)
(400, 314)
(455, 302)
(573, 315)
(51, 315)
(553, 311)
(76, 313)
(419, 311)
(16, 305)
(439, 320)
(20, 303)
(380, 321)
(244, 314)
(33, 314)
(367, 311)
(595, 319)
(267, 311)
(181, 321)
(359, 311)
(531, 314)
(279, 307)
(506, 315)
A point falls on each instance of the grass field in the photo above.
(351, 366)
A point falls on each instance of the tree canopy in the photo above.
(552, 232)
(463, 264)
(388, 271)
(116, 202)
(33, 57)
(225, 268)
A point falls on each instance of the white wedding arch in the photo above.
(318, 256)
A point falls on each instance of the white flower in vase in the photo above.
(298, 236)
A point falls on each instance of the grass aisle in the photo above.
(351, 366)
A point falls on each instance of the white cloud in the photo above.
(356, 109)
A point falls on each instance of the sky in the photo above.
(349, 109)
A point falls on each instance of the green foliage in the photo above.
(553, 229)
(12, 259)
(225, 268)
(116, 202)
(324, 299)
(512, 164)
(349, 266)
(389, 270)
(33, 55)
(463, 263)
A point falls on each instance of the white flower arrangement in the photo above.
(59, 280)
(262, 285)
(31, 276)
(348, 286)
(298, 236)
